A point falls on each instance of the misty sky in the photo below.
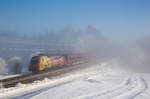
(119, 19)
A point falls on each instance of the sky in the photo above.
(123, 20)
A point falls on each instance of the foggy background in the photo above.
(16, 50)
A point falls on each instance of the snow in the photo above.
(102, 81)
(9, 76)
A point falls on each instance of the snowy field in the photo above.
(101, 81)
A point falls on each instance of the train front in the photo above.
(34, 64)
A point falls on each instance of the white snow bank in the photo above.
(100, 81)
(108, 83)
(27, 88)
(9, 76)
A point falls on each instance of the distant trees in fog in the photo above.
(65, 35)
(2, 64)
(15, 65)
(8, 34)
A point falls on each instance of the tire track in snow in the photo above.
(128, 89)
(144, 89)
(131, 84)
(139, 89)
(104, 92)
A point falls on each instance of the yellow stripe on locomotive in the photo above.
(50, 61)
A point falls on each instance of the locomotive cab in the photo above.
(43, 62)
(37, 63)
(34, 63)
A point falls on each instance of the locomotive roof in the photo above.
(51, 54)
(58, 54)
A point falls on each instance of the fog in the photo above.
(95, 43)
(133, 56)
(17, 49)
(137, 56)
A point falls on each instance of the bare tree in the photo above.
(2, 64)
(15, 65)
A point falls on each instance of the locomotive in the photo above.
(43, 62)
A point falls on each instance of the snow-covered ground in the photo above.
(100, 81)
(9, 76)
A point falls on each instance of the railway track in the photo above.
(28, 78)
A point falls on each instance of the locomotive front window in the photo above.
(35, 60)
